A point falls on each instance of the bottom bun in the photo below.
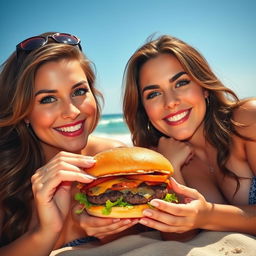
(119, 212)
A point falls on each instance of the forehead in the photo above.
(59, 72)
(159, 67)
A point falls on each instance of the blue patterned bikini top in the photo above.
(80, 241)
(252, 193)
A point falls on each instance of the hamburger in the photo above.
(127, 180)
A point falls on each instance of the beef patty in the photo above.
(141, 195)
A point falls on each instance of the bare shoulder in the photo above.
(98, 144)
(246, 115)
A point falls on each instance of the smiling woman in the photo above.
(175, 104)
(49, 107)
(168, 93)
(65, 104)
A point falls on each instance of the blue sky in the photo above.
(224, 31)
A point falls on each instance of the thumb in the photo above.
(187, 193)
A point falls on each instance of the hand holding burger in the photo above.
(127, 180)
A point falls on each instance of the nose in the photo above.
(171, 100)
(70, 110)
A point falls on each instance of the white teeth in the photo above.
(177, 117)
(70, 128)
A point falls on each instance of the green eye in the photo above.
(80, 92)
(47, 99)
(182, 83)
(152, 95)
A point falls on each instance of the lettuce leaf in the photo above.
(119, 202)
(171, 198)
(82, 199)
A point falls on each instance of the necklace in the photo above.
(208, 167)
(211, 168)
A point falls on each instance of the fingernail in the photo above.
(172, 179)
(143, 222)
(147, 213)
(89, 176)
(154, 203)
(127, 221)
(90, 160)
(115, 220)
(135, 221)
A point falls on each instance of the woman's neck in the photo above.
(198, 139)
(202, 148)
(49, 152)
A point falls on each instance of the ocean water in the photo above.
(113, 126)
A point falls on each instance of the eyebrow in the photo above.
(55, 91)
(175, 77)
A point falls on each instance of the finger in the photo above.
(161, 226)
(47, 188)
(183, 190)
(106, 229)
(49, 172)
(179, 210)
(122, 225)
(164, 217)
(81, 161)
(70, 154)
(91, 220)
(114, 225)
(74, 159)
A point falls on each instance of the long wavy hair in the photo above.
(218, 123)
(20, 150)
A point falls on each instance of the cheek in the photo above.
(196, 96)
(198, 99)
(89, 106)
(46, 119)
(152, 110)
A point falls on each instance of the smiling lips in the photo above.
(71, 130)
(177, 118)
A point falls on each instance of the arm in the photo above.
(246, 115)
(196, 212)
(239, 218)
(231, 218)
(51, 186)
(40, 241)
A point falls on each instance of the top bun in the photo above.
(129, 160)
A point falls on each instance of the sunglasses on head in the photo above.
(35, 42)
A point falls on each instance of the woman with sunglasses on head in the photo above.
(49, 107)
(174, 103)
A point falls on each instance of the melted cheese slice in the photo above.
(102, 187)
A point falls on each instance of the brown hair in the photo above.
(20, 151)
(222, 101)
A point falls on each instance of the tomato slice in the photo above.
(149, 177)
(124, 185)
(169, 186)
(131, 181)
(95, 183)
